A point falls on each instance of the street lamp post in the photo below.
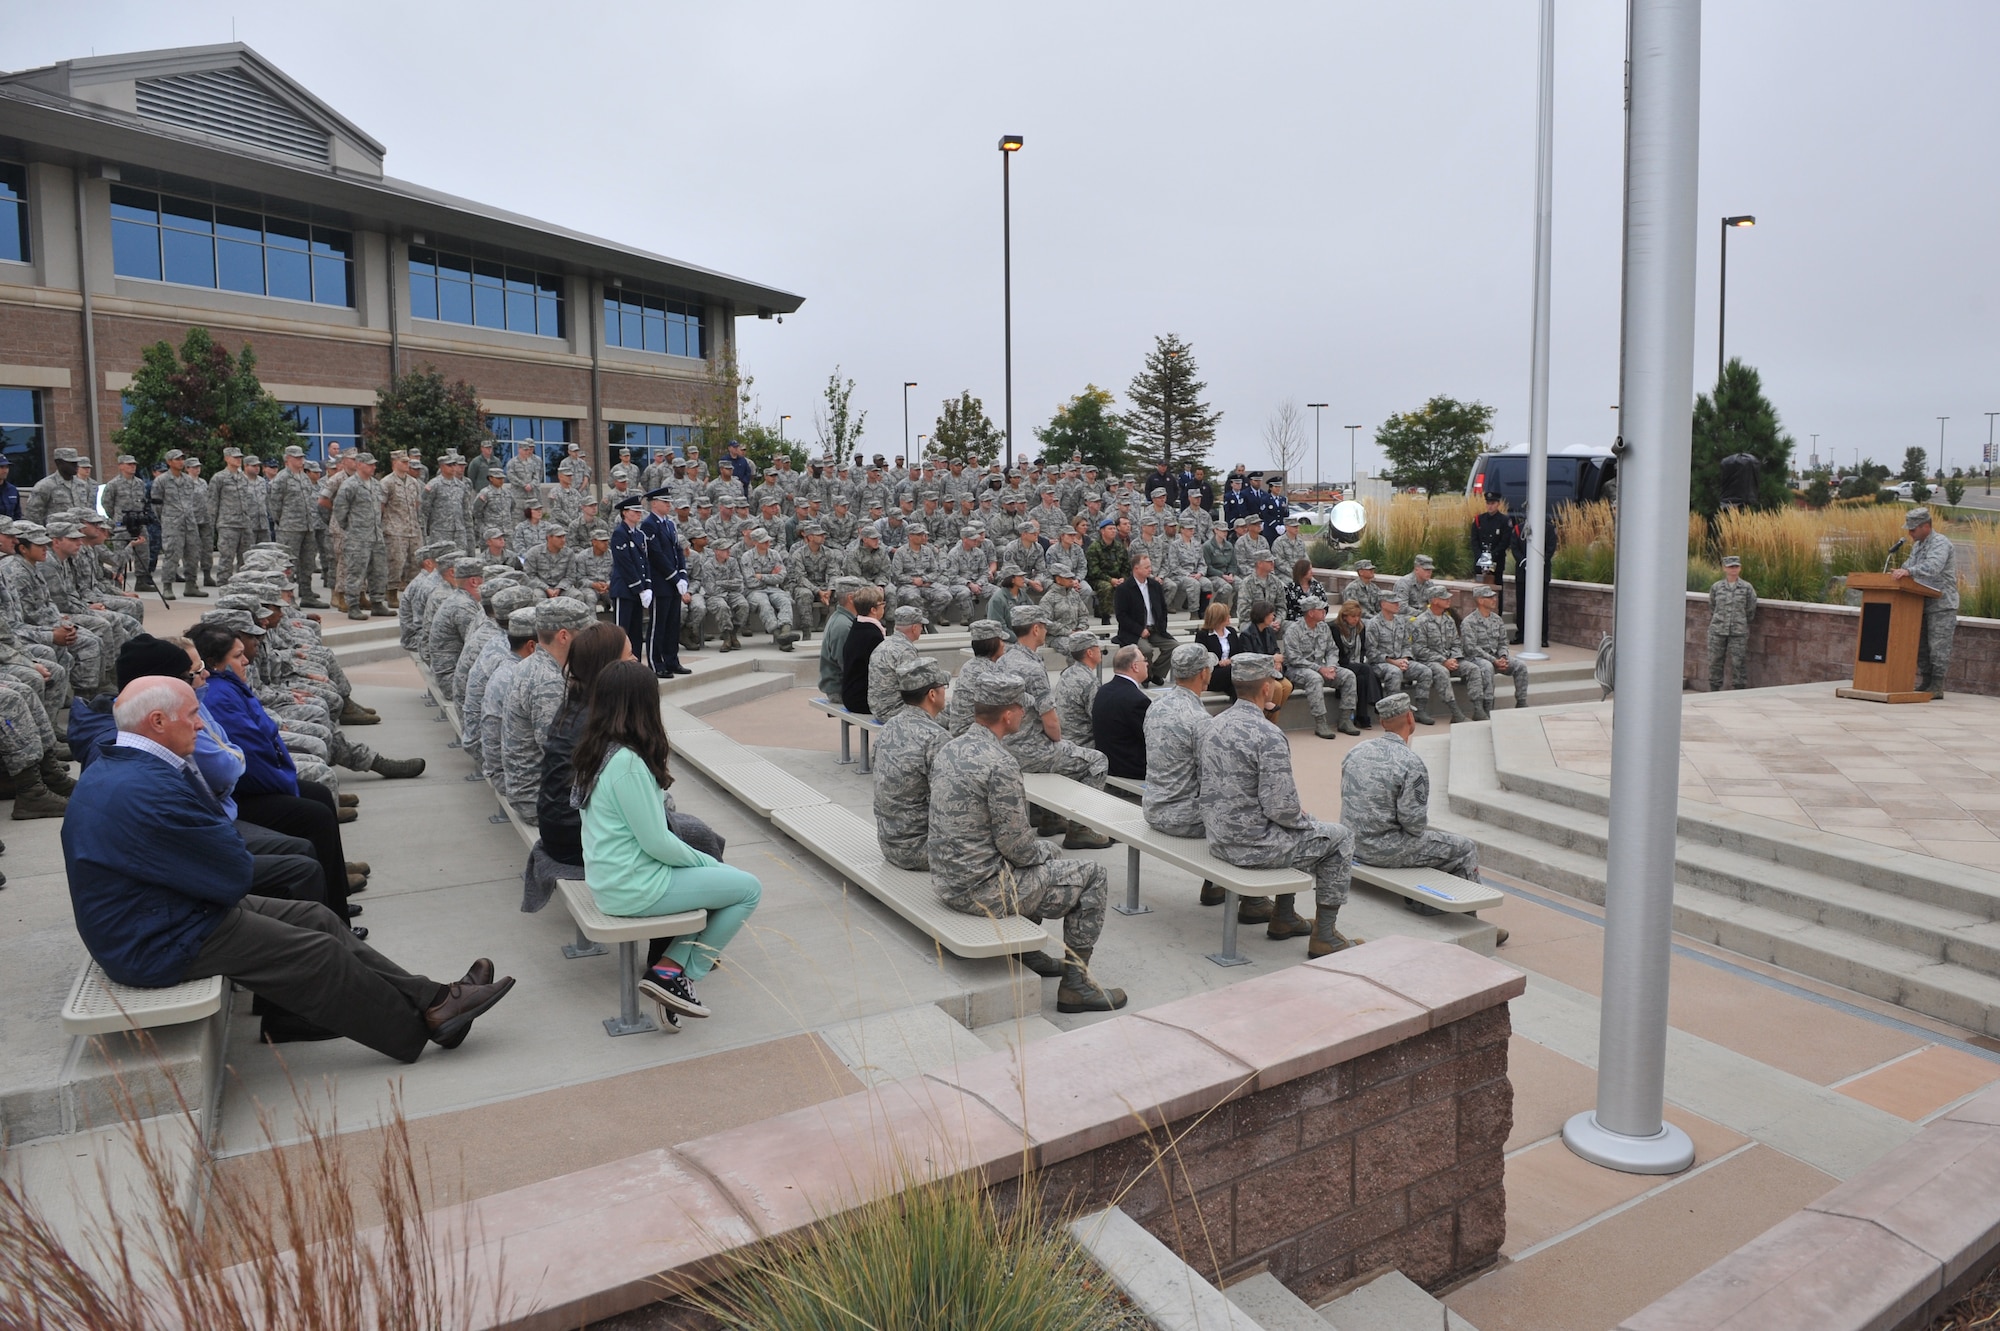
(1815, 452)
(1989, 450)
(1319, 485)
(908, 384)
(1722, 298)
(781, 428)
(1942, 473)
(1009, 145)
(1353, 474)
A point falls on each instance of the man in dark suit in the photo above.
(631, 575)
(1118, 715)
(668, 570)
(1140, 605)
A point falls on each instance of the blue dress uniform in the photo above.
(631, 573)
(669, 578)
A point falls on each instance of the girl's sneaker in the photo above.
(672, 990)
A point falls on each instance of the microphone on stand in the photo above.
(1903, 541)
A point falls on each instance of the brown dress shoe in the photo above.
(452, 1016)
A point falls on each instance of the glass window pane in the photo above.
(325, 241)
(549, 285)
(520, 309)
(676, 338)
(613, 331)
(304, 416)
(134, 205)
(240, 266)
(487, 272)
(331, 281)
(455, 265)
(694, 347)
(635, 334)
(186, 214)
(454, 301)
(285, 233)
(135, 250)
(520, 279)
(422, 260)
(17, 406)
(548, 321)
(488, 307)
(288, 273)
(238, 225)
(656, 332)
(423, 296)
(340, 420)
(14, 231)
(190, 259)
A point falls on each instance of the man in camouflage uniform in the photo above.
(1250, 808)
(453, 617)
(411, 619)
(294, 502)
(920, 578)
(204, 515)
(493, 506)
(1076, 686)
(1108, 563)
(357, 511)
(1069, 606)
(814, 568)
(513, 637)
(1181, 568)
(898, 645)
(1312, 663)
(124, 499)
(1222, 572)
(989, 640)
(229, 511)
(1288, 550)
(869, 561)
(447, 506)
(565, 502)
(1932, 563)
(1251, 546)
(1039, 745)
(1438, 653)
(1732, 604)
(534, 696)
(1364, 591)
(525, 478)
(180, 498)
(764, 587)
(521, 644)
(1174, 728)
(986, 860)
(68, 582)
(1484, 635)
(624, 469)
(590, 571)
(59, 490)
(1414, 588)
(41, 620)
(402, 522)
(727, 600)
(968, 572)
(548, 568)
(1263, 585)
(904, 752)
(699, 603)
(1391, 650)
(1385, 796)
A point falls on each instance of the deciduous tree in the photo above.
(839, 425)
(421, 410)
(1086, 426)
(1435, 445)
(200, 399)
(963, 431)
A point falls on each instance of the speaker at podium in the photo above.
(1885, 644)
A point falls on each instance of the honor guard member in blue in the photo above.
(631, 574)
(669, 573)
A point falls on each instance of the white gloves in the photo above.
(646, 598)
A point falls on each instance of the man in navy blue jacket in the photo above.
(631, 577)
(668, 569)
(159, 882)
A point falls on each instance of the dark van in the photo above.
(1576, 475)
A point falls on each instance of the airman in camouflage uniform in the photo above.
(1221, 570)
(1175, 726)
(1182, 570)
(898, 646)
(1031, 744)
(229, 498)
(1076, 686)
(39, 619)
(548, 568)
(1364, 591)
(986, 860)
(1389, 642)
(294, 503)
(1250, 808)
(357, 511)
(453, 618)
(180, 500)
(1933, 563)
(1732, 604)
(1108, 563)
(565, 502)
(1414, 588)
(868, 561)
(65, 575)
(447, 510)
(1263, 585)
(1068, 605)
(59, 490)
(534, 696)
(1484, 635)
(1250, 547)
(402, 522)
(1385, 796)
(989, 640)
(495, 647)
(904, 752)
(493, 506)
(525, 478)
(1312, 663)
(814, 567)
(920, 576)
(701, 609)
(1436, 649)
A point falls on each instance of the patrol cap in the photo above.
(918, 529)
(1393, 705)
(66, 455)
(239, 601)
(521, 621)
(1265, 556)
(238, 622)
(1440, 593)
(65, 531)
(1360, 564)
(1484, 593)
(1027, 616)
(490, 571)
(555, 529)
(313, 467)
(1916, 518)
(563, 612)
(1423, 561)
(1190, 659)
(757, 534)
(1009, 571)
(694, 534)
(811, 529)
(1249, 667)
(847, 585)
(495, 534)
(1390, 596)
(94, 520)
(124, 458)
(1731, 561)
(1027, 527)
(600, 532)
(907, 615)
(1308, 604)
(32, 532)
(986, 630)
(1158, 492)
(1247, 522)
(869, 532)
(1001, 690)
(291, 451)
(170, 455)
(468, 566)
(533, 505)
(364, 457)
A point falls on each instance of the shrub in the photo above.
(1702, 575)
(1439, 526)
(1858, 537)
(1780, 551)
(1586, 543)
(1954, 490)
(1980, 594)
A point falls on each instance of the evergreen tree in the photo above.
(1739, 419)
(200, 400)
(1914, 460)
(1168, 418)
(1086, 426)
(420, 410)
(1435, 445)
(964, 432)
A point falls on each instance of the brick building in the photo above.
(142, 194)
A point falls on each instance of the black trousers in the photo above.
(312, 820)
(629, 615)
(302, 957)
(665, 654)
(287, 877)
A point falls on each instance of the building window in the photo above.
(13, 212)
(642, 321)
(549, 434)
(485, 292)
(650, 443)
(319, 426)
(167, 239)
(21, 434)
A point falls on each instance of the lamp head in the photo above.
(1010, 143)
(1744, 220)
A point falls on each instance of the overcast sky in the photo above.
(1331, 200)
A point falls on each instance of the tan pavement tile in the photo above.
(1946, 829)
(1920, 1085)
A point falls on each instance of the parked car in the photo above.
(1577, 474)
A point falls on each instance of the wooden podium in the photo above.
(1885, 646)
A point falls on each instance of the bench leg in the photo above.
(628, 1021)
(427, 700)
(845, 757)
(865, 768)
(1229, 956)
(1132, 906)
(583, 947)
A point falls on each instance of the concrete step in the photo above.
(1271, 1306)
(1391, 1302)
(699, 697)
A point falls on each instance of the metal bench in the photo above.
(98, 1004)
(1429, 891)
(846, 842)
(1129, 785)
(1106, 813)
(594, 929)
(854, 720)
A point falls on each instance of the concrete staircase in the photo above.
(1905, 928)
(1390, 1302)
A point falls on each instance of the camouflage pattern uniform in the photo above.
(1250, 806)
(1255, 588)
(534, 696)
(984, 857)
(1934, 563)
(1105, 562)
(180, 500)
(231, 499)
(1175, 727)
(958, 711)
(1182, 572)
(294, 502)
(935, 598)
(1385, 795)
(1366, 593)
(39, 617)
(904, 752)
(1731, 607)
(452, 622)
(764, 578)
(1221, 571)
(1391, 638)
(727, 600)
(1485, 640)
(813, 572)
(364, 555)
(472, 703)
(1031, 746)
(1434, 640)
(402, 527)
(1306, 651)
(1076, 690)
(549, 569)
(885, 697)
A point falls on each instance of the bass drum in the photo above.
(1348, 521)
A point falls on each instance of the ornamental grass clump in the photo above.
(1979, 586)
(1412, 525)
(1859, 535)
(1586, 543)
(1780, 550)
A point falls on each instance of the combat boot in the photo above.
(730, 642)
(1253, 910)
(785, 638)
(311, 602)
(1423, 717)
(1457, 712)
(1286, 921)
(353, 713)
(375, 606)
(1211, 895)
(357, 614)
(1080, 993)
(1042, 964)
(1479, 712)
(1323, 727)
(1079, 837)
(339, 600)
(1326, 939)
(396, 768)
(1346, 726)
(55, 774)
(194, 590)
(395, 600)
(33, 799)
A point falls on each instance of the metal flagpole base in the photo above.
(1667, 1152)
(1533, 656)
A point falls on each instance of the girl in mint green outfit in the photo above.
(634, 864)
